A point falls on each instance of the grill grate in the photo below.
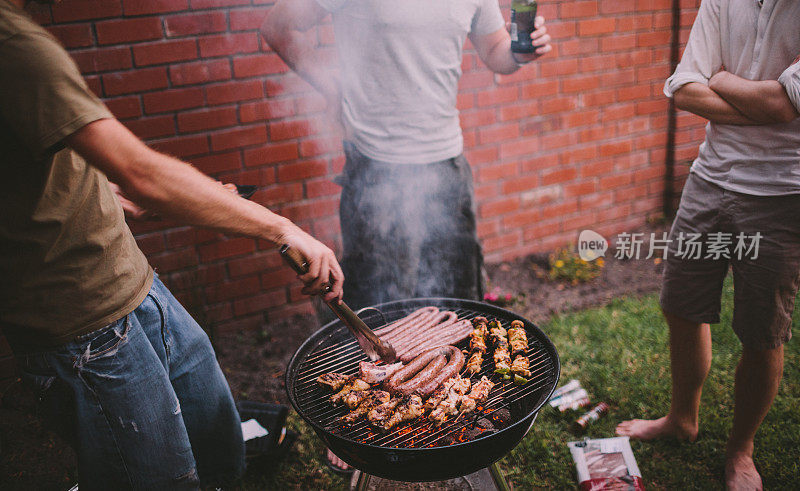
(339, 352)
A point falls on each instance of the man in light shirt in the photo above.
(407, 209)
(740, 71)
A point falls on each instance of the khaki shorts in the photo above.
(764, 286)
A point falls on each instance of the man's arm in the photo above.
(284, 29)
(494, 49)
(699, 99)
(764, 101)
(178, 191)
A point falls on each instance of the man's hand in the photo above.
(322, 265)
(541, 41)
(494, 49)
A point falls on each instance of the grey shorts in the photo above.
(764, 286)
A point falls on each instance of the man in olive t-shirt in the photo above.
(149, 406)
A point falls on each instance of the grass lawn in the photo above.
(620, 354)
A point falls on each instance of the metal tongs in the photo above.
(373, 346)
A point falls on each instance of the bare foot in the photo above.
(649, 429)
(741, 474)
(336, 461)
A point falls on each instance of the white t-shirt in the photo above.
(400, 64)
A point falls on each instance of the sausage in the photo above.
(423, 376)
(455, 361)
(405, 320)
(451, 336)
(412, 325)
(441, 319)
(425, 339)
(409, 371)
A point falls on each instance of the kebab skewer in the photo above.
(518, 340)
(477, 345)
(501, 356)
(373, 399)
(478, 394)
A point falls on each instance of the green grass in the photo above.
(620, 354)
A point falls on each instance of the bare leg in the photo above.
(757, 379)
(690, 358)
(336, 461)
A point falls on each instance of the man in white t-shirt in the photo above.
(407, 208)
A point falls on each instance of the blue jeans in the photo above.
(143, 401)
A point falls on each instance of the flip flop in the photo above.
(337, 470)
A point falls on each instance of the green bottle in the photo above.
(523, 14)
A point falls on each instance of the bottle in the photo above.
(523, 14)
(592, 415)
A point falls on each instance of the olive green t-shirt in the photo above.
(69, 264)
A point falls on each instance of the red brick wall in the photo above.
(576, 140)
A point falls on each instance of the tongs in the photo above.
(373, 346)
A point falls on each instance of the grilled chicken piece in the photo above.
(477, 339)
(410, 407)
(375, 374)
(379, 414)
(354, 384)
(502, 360)
(373, 399)
(449, 405)
(333, 381)
(474, 363)
(497, 332)
(520, 366)
(479, 321)
(439, 394)
(517, 338)
(478, 394)
(355, 397)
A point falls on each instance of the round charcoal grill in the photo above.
(418, 451)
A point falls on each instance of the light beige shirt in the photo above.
(757, 43)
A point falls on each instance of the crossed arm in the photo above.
(729, 99)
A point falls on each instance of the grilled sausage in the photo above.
(411, 385)
(451, 337)
(437, 337)
(441, 320)
(413, 318)
(455, 361)
(410, 371)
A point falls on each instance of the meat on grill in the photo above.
(478, 394)
(352, 385)
(520, 366)
(381, 413)
(438, 395)
(499, 337)
(355, 397)
(517, 338)
(373, 399)
(410, 407)
(333, 381)
(422, 330)
(375, 374)
(449, 406)
(477, 345)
